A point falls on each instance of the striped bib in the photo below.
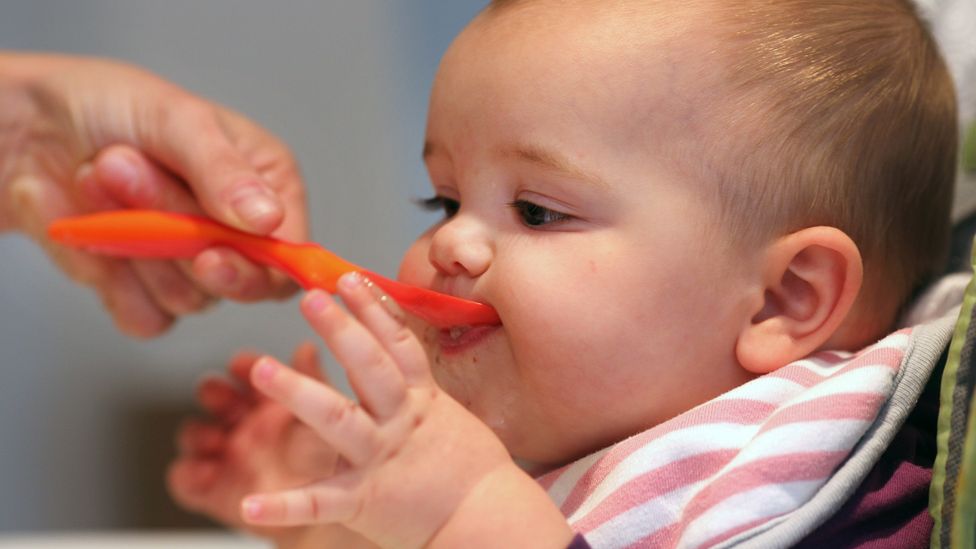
(729, 465)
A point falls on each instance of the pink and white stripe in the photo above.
(754, 454)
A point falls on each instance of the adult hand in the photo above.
(82, 134)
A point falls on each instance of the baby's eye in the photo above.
(448, 205)
(535, 215)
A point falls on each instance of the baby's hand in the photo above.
(416, 467)
(250, 443)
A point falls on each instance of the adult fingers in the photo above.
(120, 176)
(134, 311)
(132, 180)
(35, 203)
(126, 176)
(186, 134)
(277, 166)
(224, 272)
(169, 287)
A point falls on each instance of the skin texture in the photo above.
(416, 468)
(247, 442)
(621, 304)
(626, 279)
(81, 135)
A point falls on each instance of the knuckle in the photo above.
(254, 285)
(339, 413)
(402, 336)
(375, 358)
(189, 107)
(314, 509)
(288, 172)
(181, 298)
(372, 445)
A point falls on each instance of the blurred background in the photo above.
(87, 415)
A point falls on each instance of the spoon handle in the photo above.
(166, 235)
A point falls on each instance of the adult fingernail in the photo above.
(256, 206)
(223, 276)
(216, 274)
(118, 168)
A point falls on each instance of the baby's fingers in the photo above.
(240, 365)
(190, 479)
(339, 421)
(223, 400)
(316, 504)
(373, 375)
(384, 319)
(200, 439)
(306, 360)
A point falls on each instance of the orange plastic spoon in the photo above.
(155, 234)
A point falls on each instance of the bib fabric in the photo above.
(735, 464)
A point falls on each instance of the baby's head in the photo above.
(663, 199)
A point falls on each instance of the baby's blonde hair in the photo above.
(850, 121)
(829, 112)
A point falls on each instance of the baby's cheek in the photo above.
(415, 267)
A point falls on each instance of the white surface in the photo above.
(131, 540)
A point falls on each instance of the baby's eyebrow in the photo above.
(553, 161)
(539, 156)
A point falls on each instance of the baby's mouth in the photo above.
(458, 339)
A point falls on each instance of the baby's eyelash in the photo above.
(534, 215)
(530, 213)
(439, 203)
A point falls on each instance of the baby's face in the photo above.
(618, 313)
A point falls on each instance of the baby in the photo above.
(665, 201)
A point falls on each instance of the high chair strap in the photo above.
(952, 499)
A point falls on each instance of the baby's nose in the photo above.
(461, 247)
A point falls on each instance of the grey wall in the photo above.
(85, 413)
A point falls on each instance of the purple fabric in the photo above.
(578, 543)
(890, 508)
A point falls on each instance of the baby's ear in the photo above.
(810, 279)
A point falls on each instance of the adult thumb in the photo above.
(191, 141)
